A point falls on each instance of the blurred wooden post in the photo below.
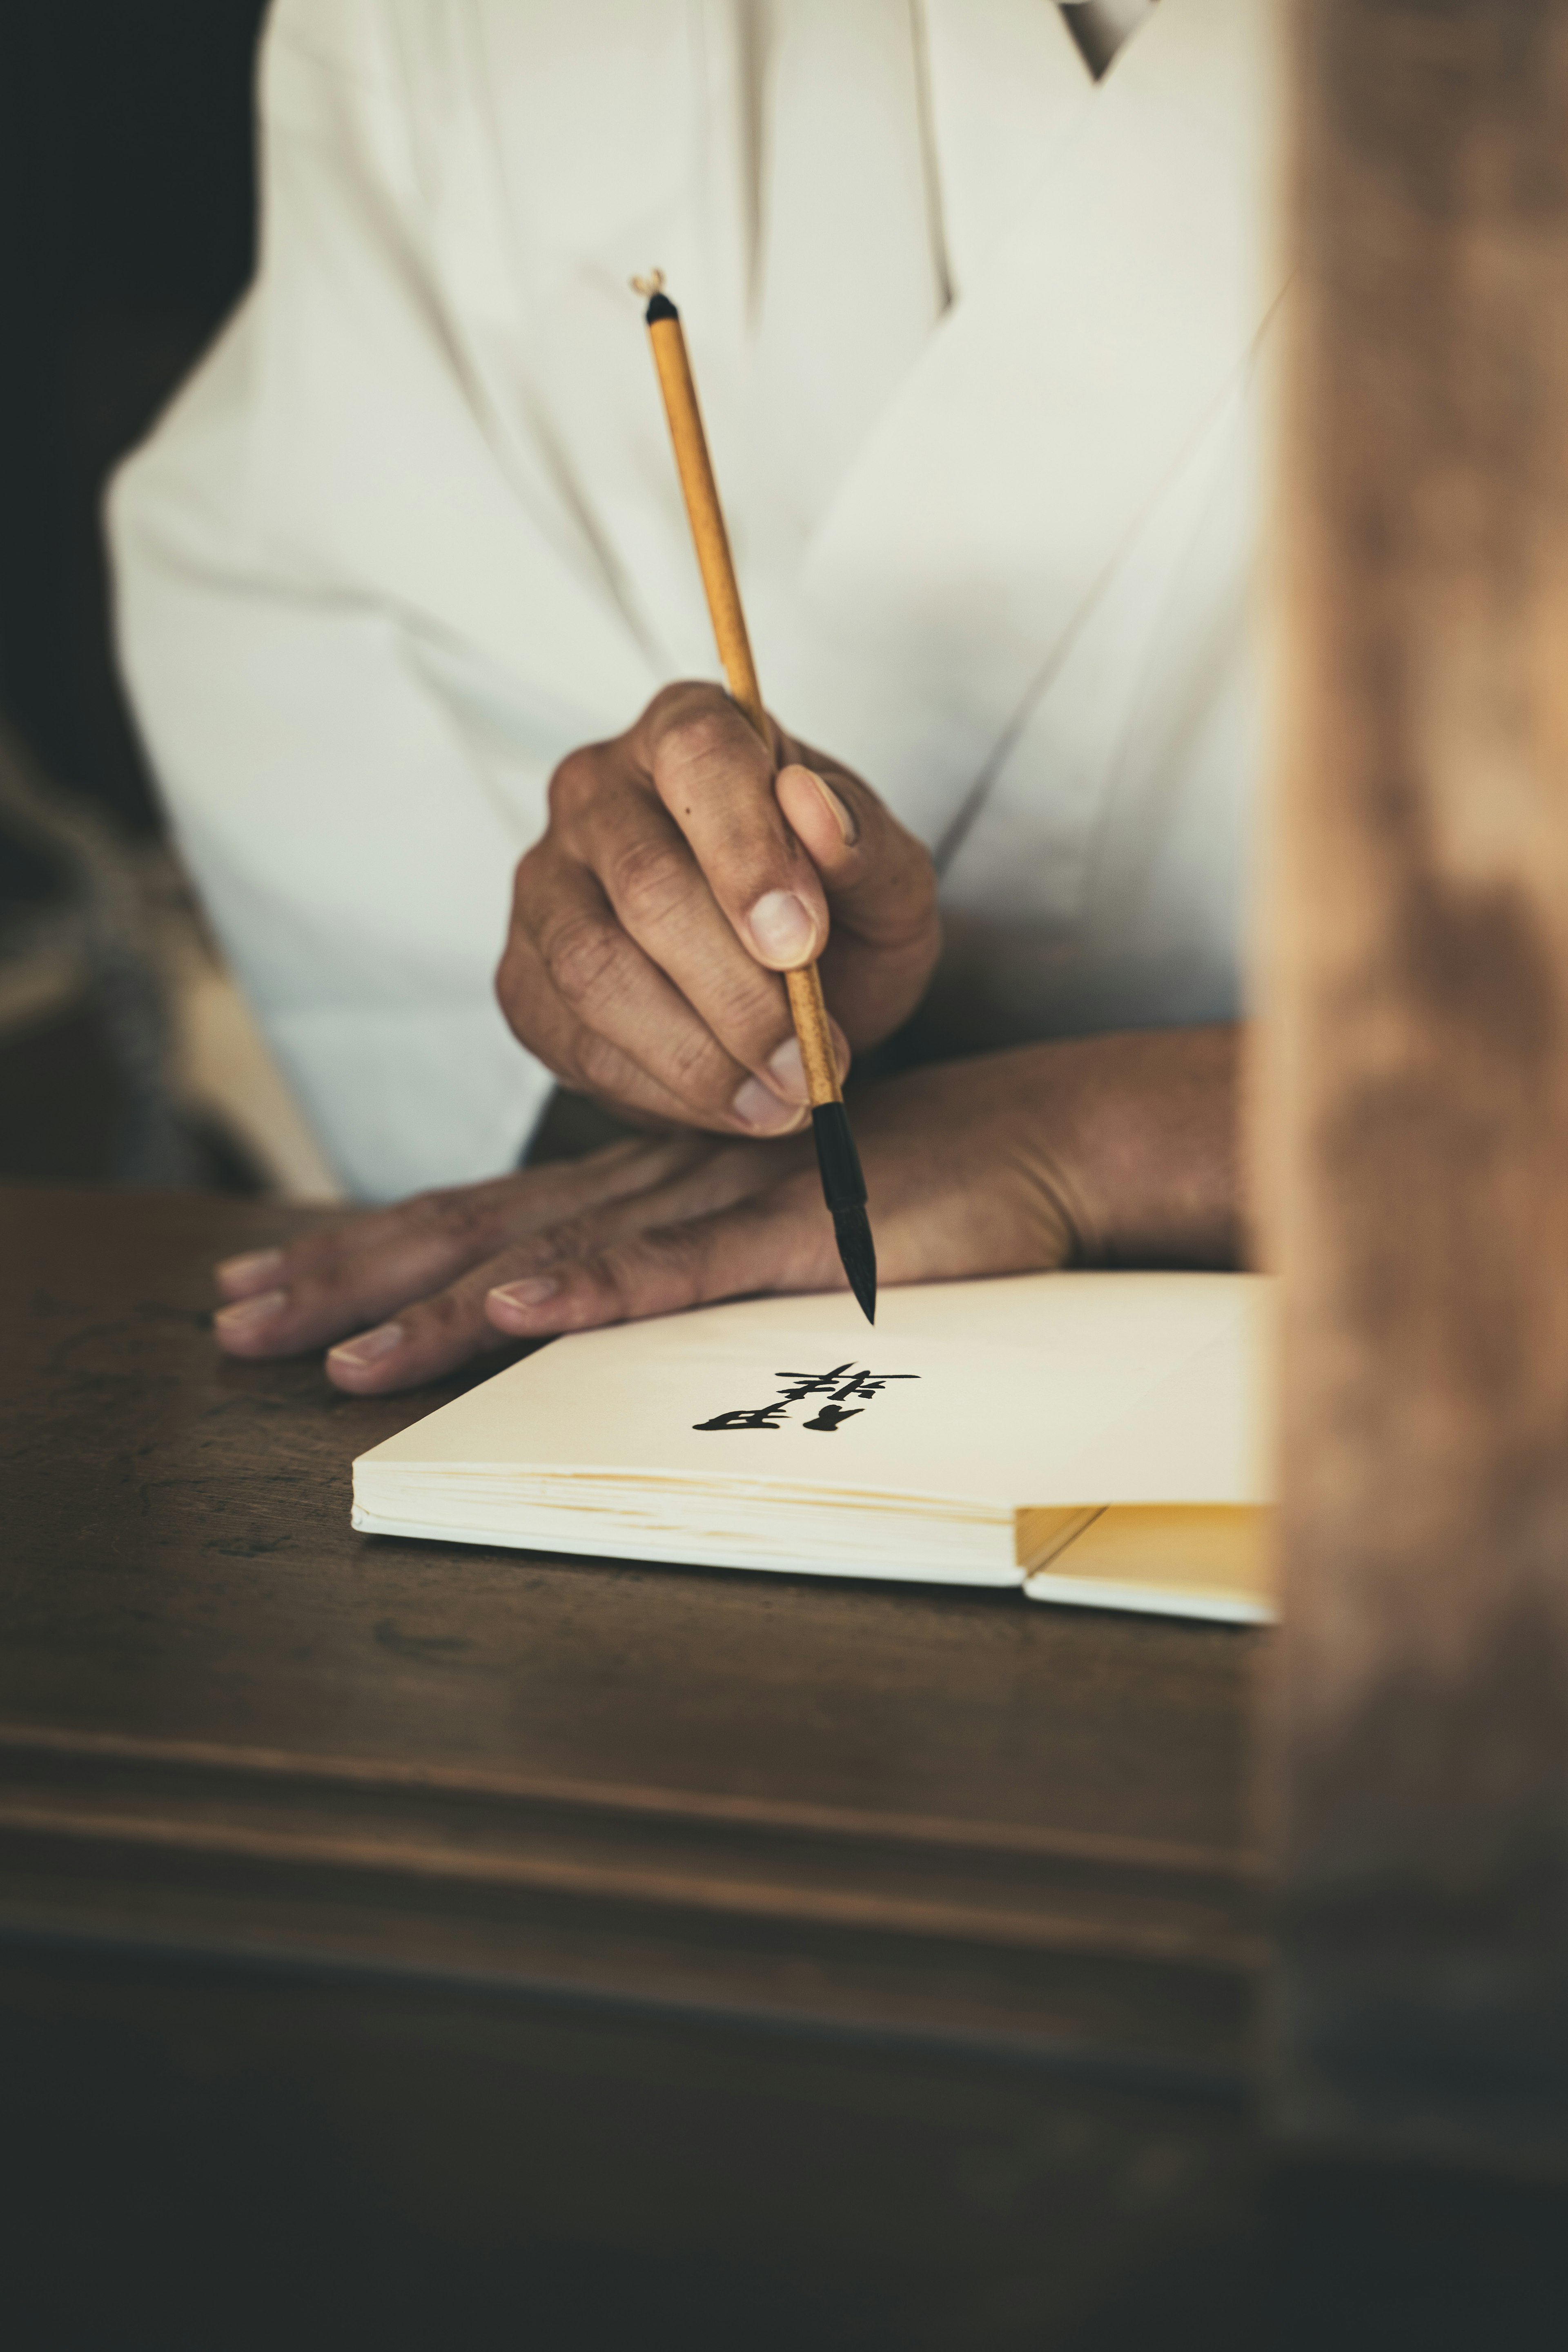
(1416, 1083)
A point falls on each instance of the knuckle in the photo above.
(611, 1278)
(574, 1238)
(682, 694)
(756, 1013)
(652, 878)
(523, 996)
(512, 975)
(456, 1214)
(530, 882)
(699, 1070)
(572, 785)
(439, 1316)
(533, 1012)
(536, 887)
(582, 955)
(696, 739)
(604, 1277)
(673, 1255)
(601, 1068)
(427, 1211)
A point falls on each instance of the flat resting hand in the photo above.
(1105, 1150)
(685, 866)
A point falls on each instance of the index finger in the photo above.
(715, 776)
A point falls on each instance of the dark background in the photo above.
(126, 230)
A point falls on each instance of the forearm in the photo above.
(1143, 1145)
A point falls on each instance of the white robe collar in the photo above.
(1045, 416)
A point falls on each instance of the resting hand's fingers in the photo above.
(325, 1245)
(436, 1335)
(357, 1269)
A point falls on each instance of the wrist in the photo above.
(1142, 1145)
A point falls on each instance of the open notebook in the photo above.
(1090, 1437)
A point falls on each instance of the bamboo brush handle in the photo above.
(809, 1014)
(706, 517)
(715, 561)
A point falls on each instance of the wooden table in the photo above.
(391, 1929)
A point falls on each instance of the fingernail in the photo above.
(248, 1312)
(842, 815)
(532, 1293)
(369, 1346)
(788, 1071)
(758, 1108)
(783, 927)
(245, 1273)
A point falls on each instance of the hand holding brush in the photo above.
(843, 1185)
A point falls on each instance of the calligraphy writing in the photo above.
(835, 1388)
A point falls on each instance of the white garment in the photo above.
(411, 531)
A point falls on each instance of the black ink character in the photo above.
(832, 1384)
(861, 1384)
(760, 1417)
(808, 1383)
(831, 1416)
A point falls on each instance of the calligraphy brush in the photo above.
(843, 1186)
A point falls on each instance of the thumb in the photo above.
(885, 932)
(879, 880)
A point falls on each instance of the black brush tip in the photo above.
(857, 1255)
(844, 1190)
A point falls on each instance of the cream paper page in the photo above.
(1032, 1391)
